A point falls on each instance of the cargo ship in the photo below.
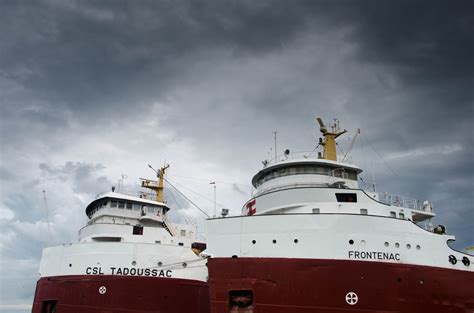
(130, 258)
(311, 240)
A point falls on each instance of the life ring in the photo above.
(466, 261)
(452, 259)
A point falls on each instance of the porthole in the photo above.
(160, 264)
(362, 242)
(134, 263)
(295, 241)
(397, 245)
(386, 244)
(185, 264)
(351, 242)
(254, 241)
(70, 265)
(466, 261)
(274, 241)
(418, 247)
(422, 282)
(408, 246)
(453, 260)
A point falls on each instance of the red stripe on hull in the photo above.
(321, 286)
(124, 294)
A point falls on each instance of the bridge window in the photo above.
(129, 206)
(305, 169)
(346, 197)
(138, 230)
(107, 239)
(393, 214)
(363, 211)
(113, 204)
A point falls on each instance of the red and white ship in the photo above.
(311, 240)
(129, 258)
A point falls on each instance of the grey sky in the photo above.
(90, 90)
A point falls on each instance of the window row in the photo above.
(307, 169)
(150, 209)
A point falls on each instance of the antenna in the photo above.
(47, 215)
(214, 185)
(123, 176)
(275, 137)
(373, 179)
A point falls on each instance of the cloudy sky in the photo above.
(91, 90)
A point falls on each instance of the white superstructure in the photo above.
(312, 208)
(129, 235)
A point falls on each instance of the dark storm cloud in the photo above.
(428, 41)
(84, 54)
(114, 56)
(83, 176)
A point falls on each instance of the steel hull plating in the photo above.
(281, 285)
(86, 294)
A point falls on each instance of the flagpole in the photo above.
(215, 210)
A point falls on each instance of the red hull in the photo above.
(124, 294)
(320, 286)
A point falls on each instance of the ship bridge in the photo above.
(296, 170)
(305, 183)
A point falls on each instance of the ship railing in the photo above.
(169, 226)
(298, 155)
(132, 193)
(405, 202)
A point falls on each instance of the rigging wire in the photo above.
(198, 194)
(314, 149)
(184, 196)
(349, 149)
(208, 179)
(380, 156)
(179, 207)
(179, 264)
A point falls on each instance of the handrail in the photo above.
(298, 155)
(172, 230)
(139, 194)
(405, 202)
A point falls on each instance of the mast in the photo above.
(157, 186)
(329, 142)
